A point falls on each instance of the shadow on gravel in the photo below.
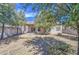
(10, 39)
(43, 44)
(69, 37)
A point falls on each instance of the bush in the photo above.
(60, 50)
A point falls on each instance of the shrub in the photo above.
(63, 49)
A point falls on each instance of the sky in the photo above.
(29, 13)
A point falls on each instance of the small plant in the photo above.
(63, 49)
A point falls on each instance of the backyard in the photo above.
(39, 29)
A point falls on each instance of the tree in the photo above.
(8, 15)
(19, 19)
(45, 20)
(6, 12)
(72, 12)
(74, 20)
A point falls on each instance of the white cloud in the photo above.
(18, 10)
(30, 14)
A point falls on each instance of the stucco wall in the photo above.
(56, 29)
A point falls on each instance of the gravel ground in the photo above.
(31, 44)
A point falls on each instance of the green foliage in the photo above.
(60, 50)
(8, 15)
(45, 19)
(19, 18)
(72, 11)
(74, 15)
(5, 12)
(64, 9)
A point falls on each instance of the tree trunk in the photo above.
(78, 38)
(17, 30)
(2, 34)
(24, 29)
(77, 24)
(42, 30)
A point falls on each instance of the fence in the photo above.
(70, 31)
(10, 31)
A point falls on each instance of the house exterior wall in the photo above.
(64, 30)
(56, 29)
